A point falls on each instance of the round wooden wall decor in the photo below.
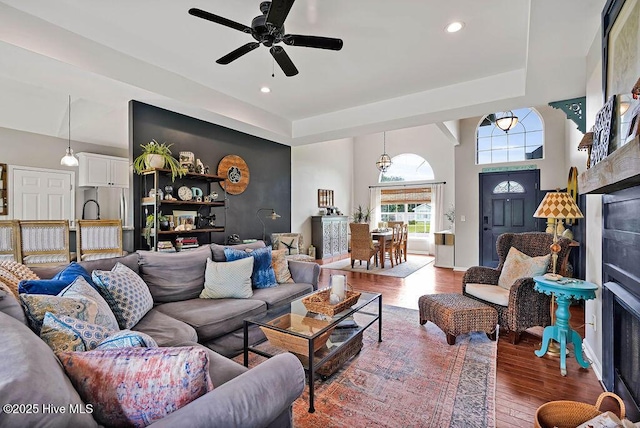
(236, 172)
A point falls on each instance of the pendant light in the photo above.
(507, 121)
(384, 162)
(69, 159)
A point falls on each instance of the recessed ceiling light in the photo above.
(455, 27)
(265, 90)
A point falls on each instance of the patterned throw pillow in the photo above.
(64, 333)
(228, 279)
(290, 244)
(81, 289)
(280, 266)
(263, 275)
(519, 265)
(136, 386)
(79, 300)
(127, 339)
(125, 292)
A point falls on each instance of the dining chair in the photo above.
(392, 247)
(98, 239)
(392, 224)
(10, 241)
(401, 251)
(362, 246)
(44, 242)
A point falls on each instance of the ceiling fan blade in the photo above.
(234, 55)
(219, 20)
(283, 61)
(313, 42)
(278, 12)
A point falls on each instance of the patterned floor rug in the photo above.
(404, 269)
(411, 379)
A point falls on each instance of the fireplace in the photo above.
(621, 297)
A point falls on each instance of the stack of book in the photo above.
(165, 246)
(189, 242)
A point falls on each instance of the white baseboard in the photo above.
(596, 365)
(459, 269)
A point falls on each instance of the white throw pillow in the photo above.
(228, 279)
(519, 265)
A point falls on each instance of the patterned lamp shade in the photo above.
(558, 205)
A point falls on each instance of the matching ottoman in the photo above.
(457, 314)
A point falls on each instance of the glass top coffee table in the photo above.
(295, 329)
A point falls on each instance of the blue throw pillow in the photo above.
(263, 275)
(56, 284)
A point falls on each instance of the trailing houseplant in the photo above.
(157, 155)
(151, 224)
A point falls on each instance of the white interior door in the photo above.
(42, 194)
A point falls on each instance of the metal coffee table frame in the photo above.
(363, 318)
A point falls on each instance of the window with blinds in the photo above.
(409, 205)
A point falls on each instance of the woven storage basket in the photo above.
(300, 324)
(570, 414)
(319, 302)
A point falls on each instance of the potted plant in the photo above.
(362, 215)
(157, 155)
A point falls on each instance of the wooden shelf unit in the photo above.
(4, 192)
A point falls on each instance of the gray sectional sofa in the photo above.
(259, 397)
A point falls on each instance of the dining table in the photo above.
(382, 238)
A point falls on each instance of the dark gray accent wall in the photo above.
(269, 168)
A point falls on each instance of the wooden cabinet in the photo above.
(330, 235)
(199, 211)
(102, 171)
(4, 193)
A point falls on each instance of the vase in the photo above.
(154, 161)
(164, 225)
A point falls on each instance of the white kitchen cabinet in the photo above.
(102, 171)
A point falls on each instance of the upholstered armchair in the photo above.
(98, 239)
(44, 242)
(519, 307)
(362, 246)
(10, 241)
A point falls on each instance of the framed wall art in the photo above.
(602, 132)
(325, 198)
(620, 46)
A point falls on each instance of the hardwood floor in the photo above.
(524, 381)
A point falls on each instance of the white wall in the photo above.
(426, 141)
(327, 165)
(593, 244)
(553, 174)
(41, 151)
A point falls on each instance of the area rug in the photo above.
(404, 269)
(411, 379)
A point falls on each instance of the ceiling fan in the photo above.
(268, 29)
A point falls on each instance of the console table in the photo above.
(564, 289)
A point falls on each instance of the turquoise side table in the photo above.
(564, 290)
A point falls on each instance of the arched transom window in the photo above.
(508, 187)
(522, 142)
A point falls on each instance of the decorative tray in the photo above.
(319, 302)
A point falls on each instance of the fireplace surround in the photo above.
(621, 297)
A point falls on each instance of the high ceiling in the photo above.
(398, 66)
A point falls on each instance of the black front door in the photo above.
(507, 203)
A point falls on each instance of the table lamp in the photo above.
(557, 205)
(272, 216)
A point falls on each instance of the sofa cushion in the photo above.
(165, 330)
(10, 305)
(280, 266)
(519, 265)
(126, 293)
(263, 275)
(282, 294)
(213, 317)
(218, 250)
(131, 261)
(291, 242)
(36, 379)
(64, 333)
(172, 277)
(127, 339)
(488, 292)
(79, 300)
(136, 386)
(228, 279)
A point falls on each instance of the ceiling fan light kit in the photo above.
(268, 29)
